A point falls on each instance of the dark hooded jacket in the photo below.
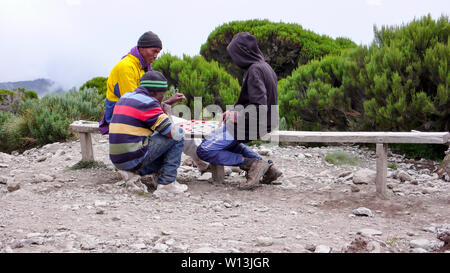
(258, 101)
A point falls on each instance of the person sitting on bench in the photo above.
(225, 146)
(142, 138)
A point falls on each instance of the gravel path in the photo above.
(319, 207)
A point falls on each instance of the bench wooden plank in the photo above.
(86, 128)
(360, 137)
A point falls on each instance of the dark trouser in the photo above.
(220, 148)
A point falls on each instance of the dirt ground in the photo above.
(319, 207)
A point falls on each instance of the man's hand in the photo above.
(231, 116)
(176, 98)
(167, 108)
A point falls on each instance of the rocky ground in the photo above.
(319, 207)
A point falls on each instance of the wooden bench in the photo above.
(381, 139)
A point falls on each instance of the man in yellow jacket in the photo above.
(126, 74)
(125, 77)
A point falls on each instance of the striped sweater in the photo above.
(135, 117)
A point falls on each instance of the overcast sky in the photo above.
(72, 41)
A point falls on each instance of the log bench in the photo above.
(381, 139)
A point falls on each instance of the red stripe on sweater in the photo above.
(135, 113)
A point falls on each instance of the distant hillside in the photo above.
(40, 86)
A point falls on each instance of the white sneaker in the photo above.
(132, 181)
(173, 187)
(126, 176)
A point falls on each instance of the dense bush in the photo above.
(9, 100)
(196, 77)
(409, 72)
(285, 46)
(326, 94)
(13, 133)
(96, 82)
(47, 120)
(400, 83)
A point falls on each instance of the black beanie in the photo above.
(154, 81)
(149, 39)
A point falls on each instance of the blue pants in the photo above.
(220, 148)
(163, 153)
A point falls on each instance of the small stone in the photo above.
(44, 177)
(140, 246)
(419, 250)
(364, 176)
(41, 158)
(88, 244)
(362, 211)
(205, 177)
(208, 250)
(344, 174)
(264, 241)
(369, 232)
(160, 248)
(265, 151)
(322, 249)
(99, 203)
(12, 185)
(374, 247)
(3, 179)
(310, 247)
(403, 176)
(420, 243)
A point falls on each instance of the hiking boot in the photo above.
(271, 175)
(257, 169)
(173, 187)
(150, 180)
(207, 169)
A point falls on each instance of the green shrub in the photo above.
(97, 82)
(48, 119)
(400, 83)
(13, 133)
(409, 71)
(341, 158)
(87, 165)
(196, 77)
(326, 94)
(417, 151)
(9, 100)
(285, 46)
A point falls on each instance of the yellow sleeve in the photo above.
(128, 79)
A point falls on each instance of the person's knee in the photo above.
(179, 144)
(202, 153)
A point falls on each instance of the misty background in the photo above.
(71, 41)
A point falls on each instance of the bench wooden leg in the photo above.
(381, 170)
(87, 153)
(218, 173)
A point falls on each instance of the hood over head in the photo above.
(244, 50)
